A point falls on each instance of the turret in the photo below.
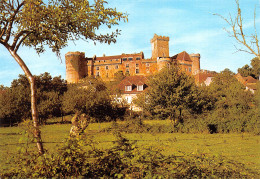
(195, 63)
(74, 66)
(162, 62)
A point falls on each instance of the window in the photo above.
(97, 68)
(130, 58)
(116, 67)
(189, 69)
(147, 64)
(140, 87)
(124, 59)
(128, 88)
(138, 58)
(127, 65)
(137, 65)
(97, 74)
(106, 67)
(136, 71)
(127, 72)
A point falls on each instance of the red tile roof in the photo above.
(250, 79)
(134, 81)
(183, 56)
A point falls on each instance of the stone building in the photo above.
(78, 66)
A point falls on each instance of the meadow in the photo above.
(243, 148)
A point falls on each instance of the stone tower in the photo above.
(160, 46)
(195, 63)
(75, 66)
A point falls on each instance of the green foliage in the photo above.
(119, 76)
(15, 101)
(92, 98)
(53, 23)
(253, 71)
(173, 93)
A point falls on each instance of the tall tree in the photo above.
(238, 32)
(52, 23)
(171, 92)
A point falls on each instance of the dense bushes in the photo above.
(93, 98)
(15, 102)
(79, 157)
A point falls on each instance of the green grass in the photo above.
(243, 148)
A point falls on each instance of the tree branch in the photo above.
(16, 47)
(11, 21)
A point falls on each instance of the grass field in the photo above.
(243, 148)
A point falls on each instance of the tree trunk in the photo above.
(37, 132)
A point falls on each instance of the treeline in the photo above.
(222, 107)
(56, 99)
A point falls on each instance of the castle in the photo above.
(78, 66)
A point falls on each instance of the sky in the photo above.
(190, 24)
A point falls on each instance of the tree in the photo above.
(40, 24)
(15, 101)
(232, 100)
(237, 31)
(253, 70)
(171, 92)
(91, 97)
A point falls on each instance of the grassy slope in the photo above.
(244, 148)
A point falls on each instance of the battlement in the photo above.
(158, 37)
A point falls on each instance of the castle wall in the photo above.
(105, 67)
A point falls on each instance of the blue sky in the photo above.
(190, 24)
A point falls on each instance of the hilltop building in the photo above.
(78, 66)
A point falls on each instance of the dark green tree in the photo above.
(255, 63)
(171, 92)
(253, 70)
(232, 99)
(91, 97)
(15, 102)
(52, 23)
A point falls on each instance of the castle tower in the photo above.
(162, 62)
(74, 66)
(160, 46)
(195, 63)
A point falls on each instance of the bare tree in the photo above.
(250, 43)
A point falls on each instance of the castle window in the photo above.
(127, 65)
(116, 67)
(147, 64)
(127, 72)
(128, 88)
(136, 71)
(106, 67)
(140, 87)
(97, 68)
(138, 58)
(97, 74)
(124, 59)
(130, 58)
(137, 65)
